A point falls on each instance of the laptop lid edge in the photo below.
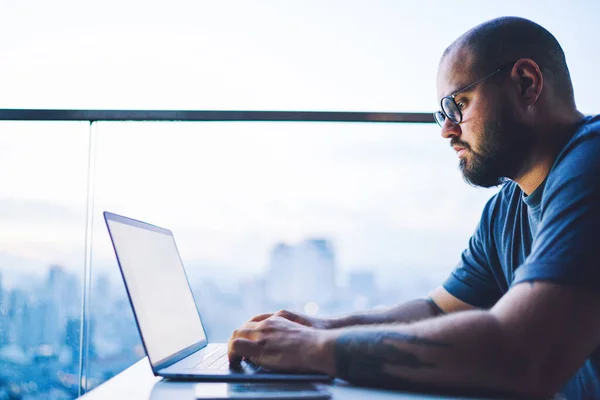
(180, 355)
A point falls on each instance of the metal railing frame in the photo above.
(211, 115)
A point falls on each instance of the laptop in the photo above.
(165, 311)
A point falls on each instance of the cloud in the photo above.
(15, 211)
(36, 233)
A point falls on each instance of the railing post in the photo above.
(84, 331)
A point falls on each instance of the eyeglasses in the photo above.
(451, 110)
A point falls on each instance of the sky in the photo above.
(389, 196)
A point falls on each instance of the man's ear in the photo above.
(529, 79)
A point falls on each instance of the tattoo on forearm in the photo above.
(363, 356)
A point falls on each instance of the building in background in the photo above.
(3, 315)
(301, 274)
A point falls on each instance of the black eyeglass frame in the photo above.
(453, 96)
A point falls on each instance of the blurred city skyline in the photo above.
(40, 323)
(224, 276)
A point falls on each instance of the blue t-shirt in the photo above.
(551, 235)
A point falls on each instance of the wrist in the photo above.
(338, 322)
(322, 358)
(329, 323)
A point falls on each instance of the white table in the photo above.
(137, 383)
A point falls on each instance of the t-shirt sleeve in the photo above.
(566, 248)
(472, 280)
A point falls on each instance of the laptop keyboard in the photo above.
(216, 360)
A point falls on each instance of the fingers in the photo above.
(297, 318)
(291, 316)
(254, 351)
(242, 348)
(281, 313)
(248, 331)
(288, 315)
(246, 334)
(260, 317)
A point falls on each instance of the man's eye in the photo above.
(461, 104)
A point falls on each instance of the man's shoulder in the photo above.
(589, 126)
(577, 167)
(587, 129)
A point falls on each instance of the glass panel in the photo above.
(43, 170)
(371, 55)
(322, 218)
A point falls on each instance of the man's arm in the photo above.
(437, 303)
(529, 344)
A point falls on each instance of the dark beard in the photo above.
(503, 150)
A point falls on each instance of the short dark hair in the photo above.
(502, 40)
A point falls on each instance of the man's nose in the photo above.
(450, 129)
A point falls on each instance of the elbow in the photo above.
(549, 378)
(531, 377)
(538, 389)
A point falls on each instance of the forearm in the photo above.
(466, 350)
(410, 311)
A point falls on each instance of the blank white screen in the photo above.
(159, 290)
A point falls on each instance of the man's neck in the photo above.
(552, 138)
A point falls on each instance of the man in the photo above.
(520, 314)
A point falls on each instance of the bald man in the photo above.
(520, 314)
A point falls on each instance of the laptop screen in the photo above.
(160, 293)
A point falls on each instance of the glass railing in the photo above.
(320, 217)
(42, 241)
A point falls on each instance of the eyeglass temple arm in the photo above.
(476, 82)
